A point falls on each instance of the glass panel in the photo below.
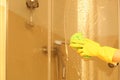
(98, 21)
(27, 40)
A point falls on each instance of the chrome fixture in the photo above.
(112, 65)
(60, 59)
(32, 4)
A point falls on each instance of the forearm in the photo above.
(116, 57)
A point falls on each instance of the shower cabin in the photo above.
(36, 34)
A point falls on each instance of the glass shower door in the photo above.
(97, 20)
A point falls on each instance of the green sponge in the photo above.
(76, 37)
(75, 42)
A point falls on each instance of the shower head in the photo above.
(32, 4)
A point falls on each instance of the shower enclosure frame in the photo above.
(3, 29)
(119, 33)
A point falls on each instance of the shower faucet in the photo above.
(32, 4)
(60, 58)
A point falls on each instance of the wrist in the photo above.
(116, 56)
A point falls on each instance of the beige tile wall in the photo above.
(25, 58)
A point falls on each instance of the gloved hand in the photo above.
(88, 48)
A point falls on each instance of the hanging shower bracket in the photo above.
(32, 4)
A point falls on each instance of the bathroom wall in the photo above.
(2, 39)
(25, 58)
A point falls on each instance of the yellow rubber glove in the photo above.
(88, 48)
